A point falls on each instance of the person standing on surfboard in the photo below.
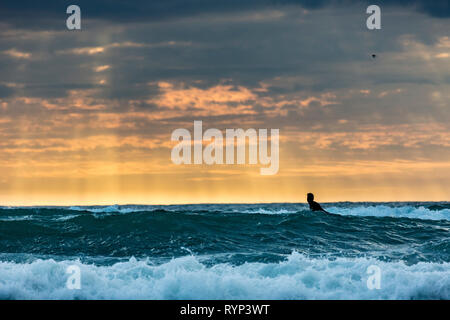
(314, 206)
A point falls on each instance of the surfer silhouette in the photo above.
(314, 206)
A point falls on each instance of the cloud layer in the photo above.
(91, 112)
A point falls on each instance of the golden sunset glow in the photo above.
(87, 118)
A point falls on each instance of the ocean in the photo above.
(227, 251)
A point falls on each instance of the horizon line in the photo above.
(210, 203)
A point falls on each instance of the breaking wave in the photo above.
(297, 277)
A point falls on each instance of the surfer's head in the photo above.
(310, 197)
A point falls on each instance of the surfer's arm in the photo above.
(314, 206)
(322, 209)
(325, 210)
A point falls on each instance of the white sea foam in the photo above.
(406, 211)
(267, 211)
(187, 278)
(36, 217)
(17, 218)
(109, 209)
(370, 210)
(395, 212)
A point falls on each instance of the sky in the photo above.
(86, 116)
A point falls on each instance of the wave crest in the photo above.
(298, 277)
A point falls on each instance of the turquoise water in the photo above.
(251, 251)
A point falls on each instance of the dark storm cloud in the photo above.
(48, 13)
(309, 53)
(5, 91)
